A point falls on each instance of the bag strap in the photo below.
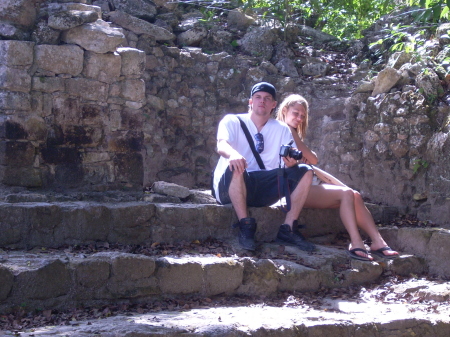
(252, 144)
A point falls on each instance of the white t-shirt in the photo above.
(275, 134)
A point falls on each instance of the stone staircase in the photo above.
(41, 267)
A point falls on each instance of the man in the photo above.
(238, 178)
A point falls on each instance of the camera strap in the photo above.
(252, 144)
(283, 188)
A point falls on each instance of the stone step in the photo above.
(41, 270)
(56, 279)
(55, 224)
(412, 307)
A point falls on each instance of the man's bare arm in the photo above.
(236, 161)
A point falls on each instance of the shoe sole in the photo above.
(293, 245)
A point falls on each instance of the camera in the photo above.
(287, 150)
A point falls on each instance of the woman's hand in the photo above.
(289, 162)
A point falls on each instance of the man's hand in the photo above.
(237, 162)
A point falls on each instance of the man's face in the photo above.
(262, 103)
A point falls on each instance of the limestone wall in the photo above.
(93, 96)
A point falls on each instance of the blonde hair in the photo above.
(289, 101)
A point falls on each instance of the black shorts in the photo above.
(263, 187)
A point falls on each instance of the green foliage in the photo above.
(209, 15)
(345, 19)
(341, 18)
(420, 164)
(431, 10)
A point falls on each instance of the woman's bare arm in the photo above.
(308, 155)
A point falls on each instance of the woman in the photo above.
(294, 112)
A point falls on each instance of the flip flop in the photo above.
(379, 253)
(353, 255)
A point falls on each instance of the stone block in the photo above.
(102, 67)
(91, 273)
(14, 129)
(137, 8)
(192, 37)
(98, 173)
(296, 277)
(129, 168)
(48, 84)
(6, 281)
(43, 34)
(131, 223)
(133, 90)
(60, 155)
(10, 100)
(132, 275)
(175, 190)
(222, 276)
(71, 18)
(13, 225)
(238, 19)
(385, 80)
(87, 89)
(95, 157)
(45, 280)
(261, 277)
(179, 276)
(11, 32)
(22, 176)
(79, 5)
(361, 272)
(3, 126)
(438, 254)
(414, 240)
(81, 222)
(139, 26)
(187, 223)
(130, 267)
(133, 61)
(19, 12)
(98, 37)
(66, 111)
(16, 53)
(16, 153)
(36, 128)
(408, 265)
(59, 59)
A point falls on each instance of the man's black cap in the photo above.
(266, 87)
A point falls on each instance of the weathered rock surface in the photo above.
(49, 279)
(98, 37)
(70, 19)
(350, 317)
(139, 26)
(98, 129)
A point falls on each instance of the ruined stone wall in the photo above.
(103, 105)
(98, 98)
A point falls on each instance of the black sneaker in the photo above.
(287, 236)
(247, 230)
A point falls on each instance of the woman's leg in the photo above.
(332, 196)
(365, 221)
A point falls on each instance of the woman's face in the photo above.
(295, 115)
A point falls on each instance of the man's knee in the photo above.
(307, 177)
(304, 173)
(237, 178)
